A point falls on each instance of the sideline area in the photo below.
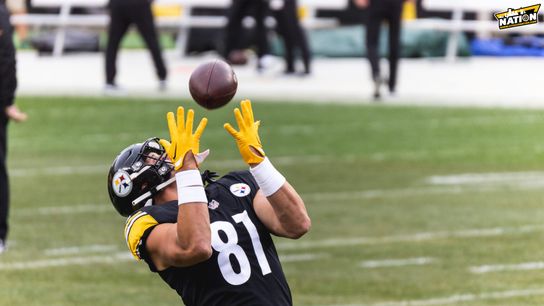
(476, 81)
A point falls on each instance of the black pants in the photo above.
(4, 183)
(122, 16)
(238, 10)
(293, 35)
(380, 10)
(8, 84)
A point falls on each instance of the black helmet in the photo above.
(136, 175)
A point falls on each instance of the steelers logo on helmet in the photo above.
(121, 183)
(240, 189)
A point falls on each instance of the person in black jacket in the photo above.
(123, 13)
(286, 14)
(238, 10)
(378, 11)
(8, 84)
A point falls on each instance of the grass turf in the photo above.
(363, 171)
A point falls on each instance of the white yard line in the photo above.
(102, 169)
(526, 266)
(383, 263)
(73, 250)
(416, 237)
(68, 261)
(459, 298)
(318, 196)
(54, 171)
(380, 193)
(64, 210)
(530, 177)
(418, 191)
(112, 258)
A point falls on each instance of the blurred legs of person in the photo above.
(146, 27)
(122, 15)
(380, 10)
(292, 33)
(117, 29)
(373, 30)
(394, 43)
(238, 10)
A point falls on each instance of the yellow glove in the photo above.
(182, 137)
(248, 136)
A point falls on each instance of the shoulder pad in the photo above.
(135, 228)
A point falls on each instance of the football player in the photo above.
(211, 244)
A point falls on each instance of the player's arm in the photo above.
(277, 204)
(187, 242)
(283, 212)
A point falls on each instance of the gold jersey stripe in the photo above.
(131, 220)
(136, 229)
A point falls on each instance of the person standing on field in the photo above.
(379, 11)
(124, 13)
(8, 111)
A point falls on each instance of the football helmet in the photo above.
(138, 173)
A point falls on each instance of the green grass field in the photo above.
(410, 206)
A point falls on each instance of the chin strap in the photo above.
(153, 191)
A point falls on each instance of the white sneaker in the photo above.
(114, 91)
(3, 246)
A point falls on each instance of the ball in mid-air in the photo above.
(213, 84)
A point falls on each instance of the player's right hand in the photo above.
(182, 138)
(247, 138)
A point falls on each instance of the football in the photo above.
(213, 84)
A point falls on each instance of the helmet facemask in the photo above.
(137, 174)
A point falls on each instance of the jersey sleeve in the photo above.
(137, 228)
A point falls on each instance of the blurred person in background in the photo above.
(8, 85)
(18, 7)
(238, 10)
(123, 13)
(379, 11)
(294, 37)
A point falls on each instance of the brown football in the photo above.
(213, 84)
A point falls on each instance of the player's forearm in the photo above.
(193, 231)
(193, 224)
(288, 206)
(290, 211)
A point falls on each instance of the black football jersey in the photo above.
(244, 268)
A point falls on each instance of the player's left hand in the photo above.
(182, 137)
(247, 138)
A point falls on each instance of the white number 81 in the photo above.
(231, 247)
